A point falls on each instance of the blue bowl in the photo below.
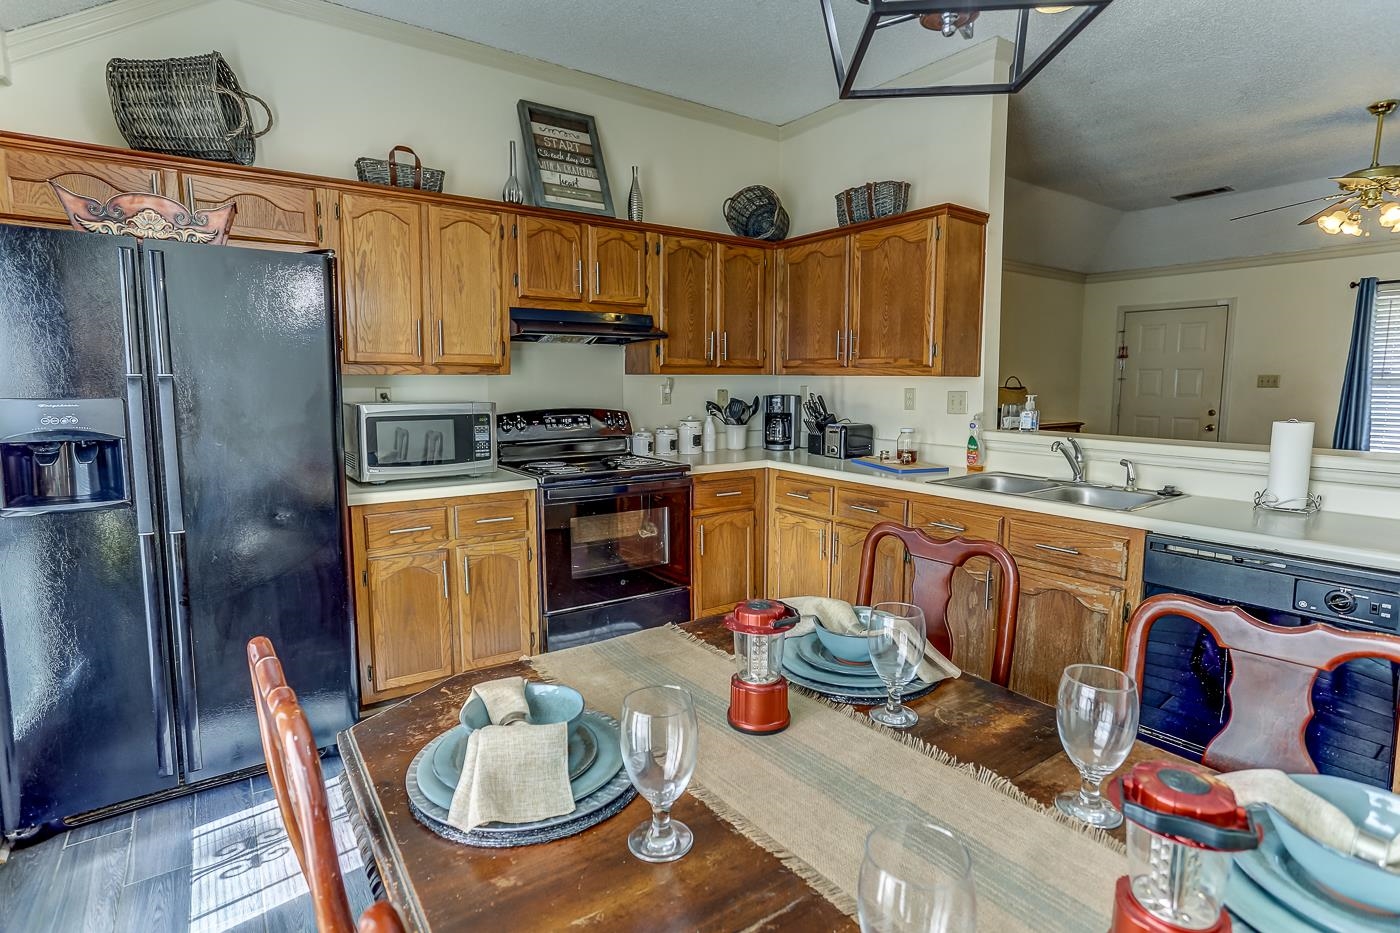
(854, 649)
(547, 702)
(1376, 810)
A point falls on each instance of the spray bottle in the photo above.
(975, 459)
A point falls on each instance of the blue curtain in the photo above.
(1354, 412)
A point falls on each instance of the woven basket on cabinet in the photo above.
(870, 201)
(756, 212)
(392, 172)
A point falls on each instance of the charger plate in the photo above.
(1250, 903)
(858, 697)
(452, 752)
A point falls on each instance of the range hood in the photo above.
(611, 328)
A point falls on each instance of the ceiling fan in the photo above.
(1375, 188)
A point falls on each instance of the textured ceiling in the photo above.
(1155, 98)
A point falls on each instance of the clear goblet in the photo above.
(896, 634)
(660, 739)
(916, 878)
(1097, 715)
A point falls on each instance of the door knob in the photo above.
(1211, 413)
(1208, 428)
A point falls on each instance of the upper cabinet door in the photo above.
(812, 306)
(687, 303)
(745, 301)
(26, 173)
(617, 266)
(381, 271)
(549, 258)
(268, 212)
(465, 290)
(892, 298)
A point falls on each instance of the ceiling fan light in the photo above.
(1390, 214)
(1332, 223)
(1052, 9)
(1352, 227)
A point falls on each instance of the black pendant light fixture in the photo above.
(1037, 31)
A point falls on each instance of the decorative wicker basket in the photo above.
(756, 212)
(185, 107)
(399, 175)
(871, 200)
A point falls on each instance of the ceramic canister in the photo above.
(667, 441)
(690, 436)
(642, 444)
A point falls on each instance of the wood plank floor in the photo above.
(210, 862)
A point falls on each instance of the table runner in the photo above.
(810, 794)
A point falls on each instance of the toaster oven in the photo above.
(417, 440)
(846, 439)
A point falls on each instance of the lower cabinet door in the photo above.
(410, 617)
(496, 613)
(799, 555)
(1064, 619)
(972, 615)
(847, 546)
(722, 573)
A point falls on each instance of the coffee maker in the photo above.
(780, 422)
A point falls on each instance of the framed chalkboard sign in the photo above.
(564, 160)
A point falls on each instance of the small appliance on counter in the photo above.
(758, 693)
(780, 430)
(845, 440)
(418, 440)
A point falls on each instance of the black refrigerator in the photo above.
(170, 486)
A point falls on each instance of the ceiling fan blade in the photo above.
(1284, 207)
(1327, 210)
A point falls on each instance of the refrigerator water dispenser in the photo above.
(61, 455)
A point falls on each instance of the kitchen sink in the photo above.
(1114, 498)
(1009, 483)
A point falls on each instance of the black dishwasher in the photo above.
(1184, 700)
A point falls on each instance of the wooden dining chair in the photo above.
(1271, 684)
(934, 563)
(294, 768)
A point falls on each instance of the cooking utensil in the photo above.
(715, 410)
(821, 405)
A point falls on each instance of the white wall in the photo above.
(1045, 227)
(1041, 333)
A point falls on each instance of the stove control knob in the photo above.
(519, 423)
(1340, 602)
(504, 426)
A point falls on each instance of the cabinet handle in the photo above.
(987, 590)
(439, 336)
(800, 495)
(724, 352)
(418, 335)
(466, 575)
(728, 493)
(404, 531)
(947, 526)
(597, 278)
(839, 334)
(155, 183)
(189, 194)
(444, 580)
(709, 346)
(492, 521)
(864, 508)
(1058, 550)
(822, 546)
(578, 276)
(702, 539)
(851, 344)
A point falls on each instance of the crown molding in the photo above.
(1043, 272)
(1250, 262)
(86, 25)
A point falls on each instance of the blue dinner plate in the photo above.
(863, 681)
(1250, 903)
(811, 650)
(449, 755)
(857, 695)
(607, 764)
(1276, 874)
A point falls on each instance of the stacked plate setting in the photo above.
(807, 663)
(599, 783)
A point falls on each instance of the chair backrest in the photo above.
(294, 768)
(1271, 684)
(934, 563)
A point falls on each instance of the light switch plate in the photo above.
(957, 403)
(909, 399)
(382, 394)
(722, 397)
(1268, 381)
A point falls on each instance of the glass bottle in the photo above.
(512, 193)
(905, 448)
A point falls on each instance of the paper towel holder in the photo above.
(1306, 505)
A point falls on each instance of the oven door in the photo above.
(424, 442)
(604, 544)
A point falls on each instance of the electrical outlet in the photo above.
(802, 393)
(722, 397)
(909, 399)
(957, 402)
(1268, 381)
(667, 385)
(382, 394)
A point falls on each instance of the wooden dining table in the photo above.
(726, 882)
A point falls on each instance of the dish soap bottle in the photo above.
(974, 445)
(708, 435)
(1030, 415)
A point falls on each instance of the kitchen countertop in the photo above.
(1336, 536)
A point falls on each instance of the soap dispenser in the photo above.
(1030, 415)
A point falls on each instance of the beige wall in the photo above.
(1041, 332)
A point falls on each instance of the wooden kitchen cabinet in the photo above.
(26, 194)
(811, 302)
(466, 315)
(617, 258)
(891, 285)
(549, 258)
(725, 567)
(744, 307)
(799, 556)
(381, 274)
(847, 546)
(268, 212)
(496, 605)
(686, 307)
(1065, 618)
(409, 615)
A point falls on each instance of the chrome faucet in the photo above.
(1132, 474)
(1073, 453)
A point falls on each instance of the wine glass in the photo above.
(916, 878)
(660, 737)
(1097, 715)
(896, 635)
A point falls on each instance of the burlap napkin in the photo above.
(513, 774)
(504, 699)
(839, 616)
(1313, 815)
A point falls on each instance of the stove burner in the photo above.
(560, 469)
(542, 464)
(631, 463)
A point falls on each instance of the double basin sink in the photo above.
(1115, 498)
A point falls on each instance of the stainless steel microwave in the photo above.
(417, 440)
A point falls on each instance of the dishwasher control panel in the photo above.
(1365, 607)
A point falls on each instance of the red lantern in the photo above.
(758, 691)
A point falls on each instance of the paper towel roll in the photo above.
(1290, 459)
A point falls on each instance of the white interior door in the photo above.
(1173, 376)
